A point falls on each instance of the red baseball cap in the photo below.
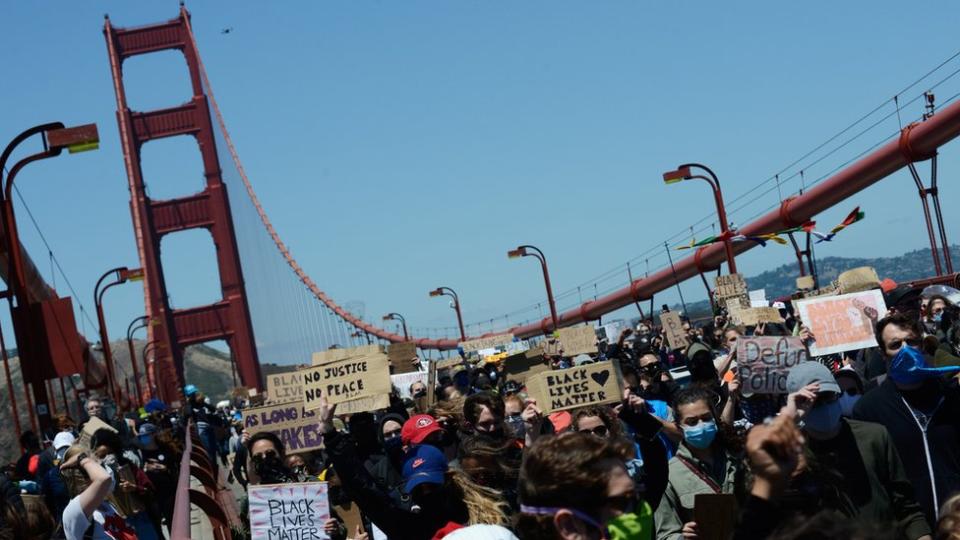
(418, 428)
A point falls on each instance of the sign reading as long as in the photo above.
(346, 380)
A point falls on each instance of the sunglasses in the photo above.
(852, 391)
(269, 454)
(625, 503)
(599, 431)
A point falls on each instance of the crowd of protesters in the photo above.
(863, 444)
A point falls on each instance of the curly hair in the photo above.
(474, 404)
(948, 527)
(572, 471)
(606, 416)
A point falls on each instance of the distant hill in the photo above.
(782, 281)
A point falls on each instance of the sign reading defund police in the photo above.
(763, 362)
(346, 380)
(295, 425)
(589, 384)
(289, 511)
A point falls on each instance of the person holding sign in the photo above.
(707, 462)
(854, 468)
(446, 498)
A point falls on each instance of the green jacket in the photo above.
(676, 506)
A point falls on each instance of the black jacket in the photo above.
(655, 464)
(885, 405)
(397, 523)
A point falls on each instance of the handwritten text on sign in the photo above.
(765, 361)
(346, 380)
(590, 384)
(284, 387)
(578, 340)
(289, 511)
(486, 343)
(673, 326)
(296, 426)
(842, 323)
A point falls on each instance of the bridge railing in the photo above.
(212, 500)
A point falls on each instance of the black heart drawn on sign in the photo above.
(601, 377)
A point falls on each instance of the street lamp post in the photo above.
(523, 251)
(151, 375)
(121, 275)
(136, 324)
(683, 172)
(56, 137)
(447, 291)
(398, 317)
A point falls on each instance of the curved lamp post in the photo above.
(398, 317)
(447, 291)
(121, 275)
(684, 172)
(525, 251)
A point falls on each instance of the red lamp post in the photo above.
(121, 275)
(683, 172)
(447, 291)
(522, 251)
(136, 324)
(398, 317)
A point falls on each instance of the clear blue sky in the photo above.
(398, 146)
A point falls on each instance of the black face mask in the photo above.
(419, 394)
(271, 470)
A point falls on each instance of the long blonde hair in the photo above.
(484, 505)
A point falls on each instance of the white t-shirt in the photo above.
(105, 518)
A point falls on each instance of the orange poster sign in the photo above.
(842, 323)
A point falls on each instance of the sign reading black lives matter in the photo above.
(289, 511)
(764, 362)
(346, 380)
(590, 384)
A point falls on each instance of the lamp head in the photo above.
(515, 253)
(436, 292)
(74, 139)
(388, 317)
(678, 175)
(135, 274)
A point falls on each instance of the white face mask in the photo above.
(847, 402)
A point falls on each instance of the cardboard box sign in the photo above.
(448, 363)
(578, 340)
(520, 367)
(858, 279)
(284, 387)
(402, 356)
(291, 422)
(346, 380)
(89, 428)
(334, 355)
(288, 511)
(673, 326)
(730, 285)
(599, 383)
(365, 404)
(842, 323)
(805, 283)
(764, 362)
(756, 315)
(485, 343)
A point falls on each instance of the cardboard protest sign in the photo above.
(805, 283)
(448, 363)
(349, 512)
(365, 404)
(89, 428)
(590, 384)
(764, 362)
(612, 331)
(858, 279)
(731, 290)
(756, 315)
(673, 326)
(402, 356)
(715, 514)
(334, 355)
(287, 511)
(842, 323)
(127, 504)
(486, 343)
(577, 340)
(515, 347)
(431, 384)
(295, 425)
(402, 381)
(284, 387)
(758, 298)
(550, 346)
(349, 379)
(520, 367)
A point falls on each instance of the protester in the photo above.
(90, 483)
(206, 419)
(919, 410)
(707, 461)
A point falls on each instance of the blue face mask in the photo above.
(910, 367)
(145, 440)
(937, 317)
(700, 435)
(823, 421)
